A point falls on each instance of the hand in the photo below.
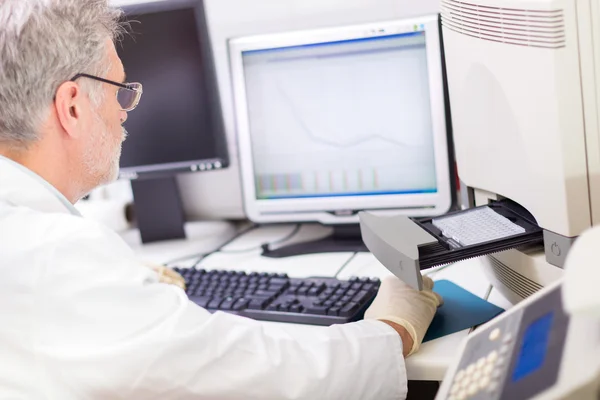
(401, 306)
(167, 275)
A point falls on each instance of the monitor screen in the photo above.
(334, 121)
(177, 125)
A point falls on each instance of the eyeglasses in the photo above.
(128, 94)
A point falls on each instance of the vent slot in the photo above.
(516, 282)
(532, 28)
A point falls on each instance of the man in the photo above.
(81, 318)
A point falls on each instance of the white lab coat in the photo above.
(81, 318)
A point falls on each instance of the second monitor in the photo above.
(334, 121)
(178, 125)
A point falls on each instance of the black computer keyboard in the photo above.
(277, 297)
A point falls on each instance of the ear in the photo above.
(70, 103)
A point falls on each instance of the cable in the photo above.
(344, 264)
(254, 226)
(207, 253)
(266, 245)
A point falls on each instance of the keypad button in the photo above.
(484, 382)
(466, 381)
(494, 334)
(507, 338)
(487, 369)
(470, 369)
(472, 389)
(492, 357)
(500, 361)
(462, 395)
(480, 363)
(460, 375)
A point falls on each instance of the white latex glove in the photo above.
(167, 275)
(412, 309)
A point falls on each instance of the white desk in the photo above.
(201, 237)
(434, 357)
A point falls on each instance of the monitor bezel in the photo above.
(344, 209)
(196, 165)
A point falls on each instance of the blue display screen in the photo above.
(533, 347)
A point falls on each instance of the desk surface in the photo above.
(434, 357)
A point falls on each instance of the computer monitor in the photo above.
(177, 126)
(334, 121)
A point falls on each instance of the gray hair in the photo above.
(44, 43)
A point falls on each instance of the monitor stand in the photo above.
(345, 238)
(157, 209)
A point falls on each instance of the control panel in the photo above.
(515, 356)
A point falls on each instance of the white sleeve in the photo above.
(107, 329)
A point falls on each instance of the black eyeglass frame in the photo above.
(128, 86)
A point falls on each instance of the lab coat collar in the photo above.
(21, 186)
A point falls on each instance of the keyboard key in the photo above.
(349, 309)
(370, 286)
(279, 281)
(334, 298)
(258, 304)
(227, 304)
(296, 308)
(333, 311)
(265, 293)
(361, 297)
(201, 301)
(302, 290)
(215, 302)
(276, 287)
(317, 310)
(240, 304)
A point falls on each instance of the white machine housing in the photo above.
(514, 357)
(568, 364)
(524, 84)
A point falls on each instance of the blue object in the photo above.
(461, 310)
(534, 347)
